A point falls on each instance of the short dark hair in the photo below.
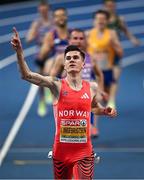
(74, 48)
(105, 1)
(60, 8)
(101, 11)
(76, 30)
(44, 3)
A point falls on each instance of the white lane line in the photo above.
(89, 22)
(134, 16)
(23, 5)
(94, 8)
(126, 44)
(18, 122)
(30, 98)
(137, 29)
(12, 58)
(130, 4)
(18, 19)
(71, 11)
(120, 5)
(133, 59)
(6, 37)
(32, 50)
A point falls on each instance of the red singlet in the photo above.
(72, 119)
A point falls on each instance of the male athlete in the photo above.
(118, 24)
(56, 40)
(78, 38)
(54, 43)
(102, 42)
(37, 31)
(72, 148)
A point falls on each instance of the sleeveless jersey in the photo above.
(72, 120)
(115, 25)
(101, 48)
(41, 31)
(87, 72)
(59, 44)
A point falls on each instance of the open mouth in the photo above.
(72, 65)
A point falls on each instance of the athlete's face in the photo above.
(110, 6)
(73, 62)
(60, 17)
(100, 21)
(78, 39)
(43, 10)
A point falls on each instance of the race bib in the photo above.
(73, 131)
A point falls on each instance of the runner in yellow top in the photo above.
(102, 43)
(118, 24)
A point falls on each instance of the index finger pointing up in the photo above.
(15, 31)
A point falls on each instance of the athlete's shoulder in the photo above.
(35, 23)
(112, 33)
(91, 31)
(90, 35)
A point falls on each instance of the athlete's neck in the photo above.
(45, 18)
(62, 32)
(62, 29)
(74, 81)
(100, 30)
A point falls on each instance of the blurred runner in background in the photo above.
(54, 43)
(37, 31)
(118, 24)
(103, 43)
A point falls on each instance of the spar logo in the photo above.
(83, 122)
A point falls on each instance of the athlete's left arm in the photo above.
(96, 107)
(128, 34)
(116, 43)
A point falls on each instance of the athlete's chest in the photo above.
(75, 100)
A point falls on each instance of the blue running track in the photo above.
(121, 141)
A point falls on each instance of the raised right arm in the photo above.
(27, 74)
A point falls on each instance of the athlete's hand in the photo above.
(15, 41)
(108, 111)
(136, 42)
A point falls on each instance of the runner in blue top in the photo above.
(56, 40)
(37, 31)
